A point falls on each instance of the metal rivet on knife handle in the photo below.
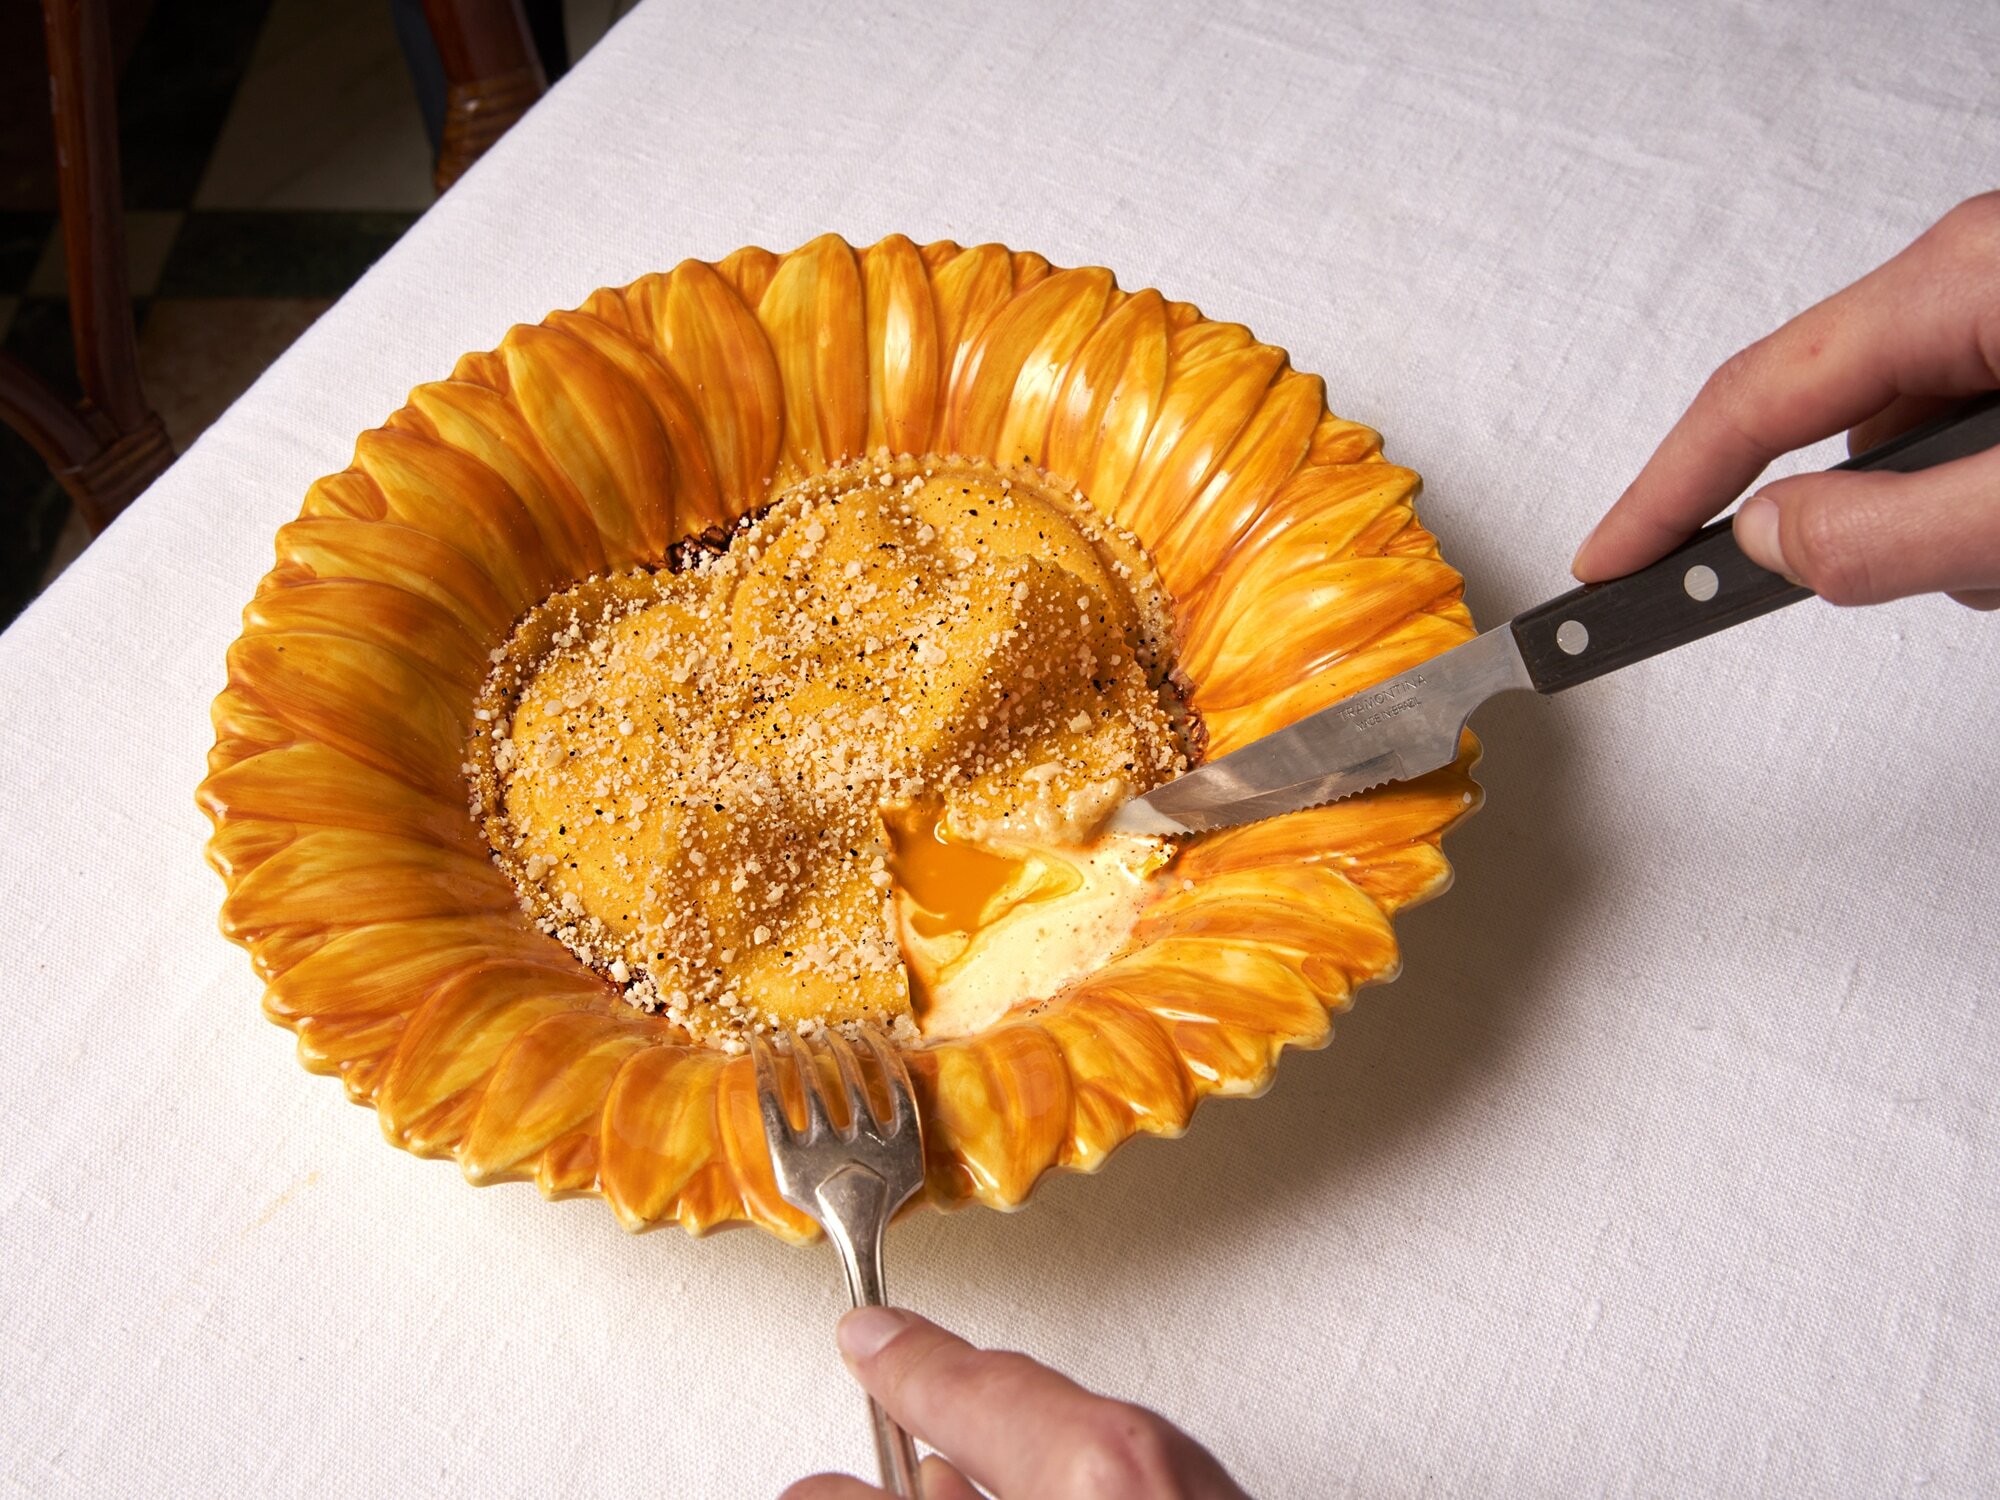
(1411, 723)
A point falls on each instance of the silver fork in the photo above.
(850, 1180)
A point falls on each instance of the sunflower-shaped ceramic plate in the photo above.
(594, 441)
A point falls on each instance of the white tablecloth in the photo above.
(1672, 1163)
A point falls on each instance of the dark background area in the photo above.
(270, 151)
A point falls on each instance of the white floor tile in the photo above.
(326, 117)
(69, 546)
(586, 21)
(198, 354)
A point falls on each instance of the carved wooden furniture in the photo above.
(492, 75)
(108, 447)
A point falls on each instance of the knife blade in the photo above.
(1410, 723)
(1394, 731)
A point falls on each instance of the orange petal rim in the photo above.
(596, 439)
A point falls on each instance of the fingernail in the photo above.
(1757, 534)
(864, 1331)
(1583, 549)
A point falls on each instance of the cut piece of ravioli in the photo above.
(690, 771)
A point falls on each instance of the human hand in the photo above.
(1878, 358)
(1015, 1427)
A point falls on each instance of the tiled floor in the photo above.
(325, 118)
(272, 150)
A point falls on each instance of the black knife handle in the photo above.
(1706, 584)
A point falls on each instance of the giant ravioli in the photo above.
(597, 440)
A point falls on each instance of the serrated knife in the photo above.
(1411, 723)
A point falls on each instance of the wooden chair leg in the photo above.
(102, 474)
(492, 76)
(113, 445)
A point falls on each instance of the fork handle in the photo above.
(855, 1204)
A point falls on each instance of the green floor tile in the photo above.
(272, 253)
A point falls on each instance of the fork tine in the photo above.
(860, 1108)
(819, 1124)
(902, 1107)
(770, 1102)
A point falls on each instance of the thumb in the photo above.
(1862, 538)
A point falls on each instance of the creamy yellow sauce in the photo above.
(848, 769)
(984, 929)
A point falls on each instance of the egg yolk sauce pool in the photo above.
(847, 765)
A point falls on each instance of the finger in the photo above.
(1895, 419)
(1863, 538)
(833, 1487)
(1923, 324)
(976, 1406)
(938, 1480)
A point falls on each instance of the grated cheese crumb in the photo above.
(686, 771)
